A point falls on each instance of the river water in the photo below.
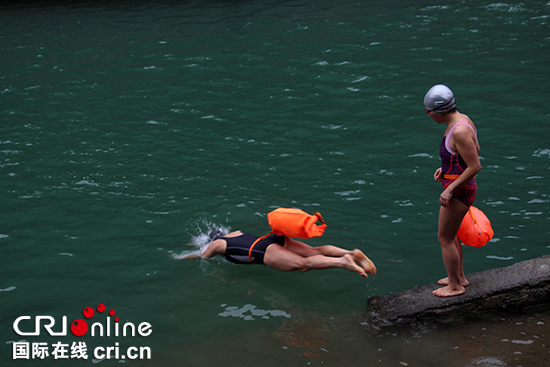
(130, 129)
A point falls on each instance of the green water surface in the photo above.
(129, 129)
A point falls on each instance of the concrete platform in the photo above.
(516, 288)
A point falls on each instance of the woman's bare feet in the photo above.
(445, 281)
(449, 291)
(350, 264)
(364, 261)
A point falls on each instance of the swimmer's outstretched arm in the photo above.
(214, 248)
(192, 256)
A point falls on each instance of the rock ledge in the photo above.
(515, 288)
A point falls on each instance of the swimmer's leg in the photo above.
(304, 250)
(450, 219)
(280, 258)
(364, 261)
(463, 280)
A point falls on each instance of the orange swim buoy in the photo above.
(292, 222)
(476, 229)
(296, 223)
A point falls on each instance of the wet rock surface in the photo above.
(516, 288)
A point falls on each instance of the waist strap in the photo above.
(453, 177)
(254, 244)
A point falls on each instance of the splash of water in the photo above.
(201, 239)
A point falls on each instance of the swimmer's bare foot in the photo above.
(350, 264)
(364, 261)
(445, 281)
(449, 291)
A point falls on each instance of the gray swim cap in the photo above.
(439, 99)
(215, 234)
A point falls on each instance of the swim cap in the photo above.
(439, 99)
(215, 234)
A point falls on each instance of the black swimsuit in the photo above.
(238, 247)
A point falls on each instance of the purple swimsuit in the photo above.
(453, 164)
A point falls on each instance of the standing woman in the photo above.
(459, 165)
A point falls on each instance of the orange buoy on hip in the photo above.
(476, 229)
